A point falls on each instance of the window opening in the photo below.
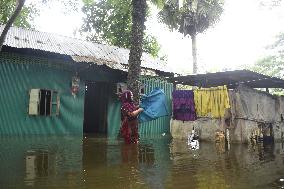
(43, 102)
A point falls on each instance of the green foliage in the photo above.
(270, 3)
(110, 21)
(68, 6)
(158, 3)
(151, 45)
(193, 16)
(87, 2)
(190, 18)
(31, 10)
(273, 64)
(25, 18)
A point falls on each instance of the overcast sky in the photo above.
(238, 39)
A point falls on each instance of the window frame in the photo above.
(53, 102)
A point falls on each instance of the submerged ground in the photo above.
(98, 162)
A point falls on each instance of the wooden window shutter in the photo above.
(55, 103)
(34, 102)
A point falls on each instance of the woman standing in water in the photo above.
(129, 113)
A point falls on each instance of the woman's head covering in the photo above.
(127, 104)
(126, 96)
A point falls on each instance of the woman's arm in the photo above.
(136, 112)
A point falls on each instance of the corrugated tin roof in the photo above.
(79, 50)
(231, 79)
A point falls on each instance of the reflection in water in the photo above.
(37, 165)
(146, 155)
(265, 151)
(40, 162)
(96, 162)
(129, 154)
(154, 163)
(220, 147)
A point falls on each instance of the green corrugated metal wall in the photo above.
(113, 116)
(19, 74)
(160, 125)
(148, 129)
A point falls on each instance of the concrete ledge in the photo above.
(205, 127)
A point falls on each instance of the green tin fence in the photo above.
(148, 129)
(160, 125)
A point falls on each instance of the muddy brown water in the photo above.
(98, 162)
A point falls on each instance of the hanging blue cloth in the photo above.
(154, 105)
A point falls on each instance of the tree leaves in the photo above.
(194, 17)
(273, 64)
(110, 21)
(31, 10)
(25, 18)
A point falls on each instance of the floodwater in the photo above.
(97, 162)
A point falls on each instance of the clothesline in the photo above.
(207, 89)
(190, 104)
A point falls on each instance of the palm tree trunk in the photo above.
(194, 53)
(134, 62)
(19, 6)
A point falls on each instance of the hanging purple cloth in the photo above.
(183, 105)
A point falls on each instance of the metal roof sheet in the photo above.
(231, 79)
(79, 50)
